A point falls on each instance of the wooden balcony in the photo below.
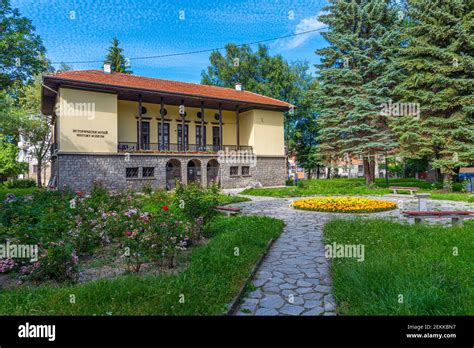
(178, 148)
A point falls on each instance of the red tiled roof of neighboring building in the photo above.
(153, 84)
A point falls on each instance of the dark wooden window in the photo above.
(186, 138)
(131, 172)
(200, 137)
(234, 171)
(166, 131)
(145, 135)
(148, 172)
(216, 141)
(246, 170)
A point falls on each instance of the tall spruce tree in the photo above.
(437, 65)
(355, 80)
(116, 59)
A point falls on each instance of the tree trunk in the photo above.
(369, 171)
(317, 172)
(448, 182)
(309, 173)
(329, 173)
(38, 174)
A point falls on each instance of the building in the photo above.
(354, 168)
(127, 131)
(294, 170)
(24, 155)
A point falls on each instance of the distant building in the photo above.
(294, 170)
(24, 156)
(354, 168)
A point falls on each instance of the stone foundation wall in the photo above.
(79, 171)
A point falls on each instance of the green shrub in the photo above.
(289, 182)
(197, 202)
(19, 183)
(57, 261)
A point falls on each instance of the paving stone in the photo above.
(323, 288)
(291, 309)
(303, 283)
(314, 311)
(303, 290)
(287, 286)
(255, 294)
(312, 304)
(266, 311)
(272, 301)
(313, 296)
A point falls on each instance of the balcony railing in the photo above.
(155, 147)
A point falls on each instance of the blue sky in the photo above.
(81, 30)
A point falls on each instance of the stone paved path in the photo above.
(293, 279)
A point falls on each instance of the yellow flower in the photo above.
(344, 204)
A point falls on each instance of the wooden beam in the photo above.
(220, 127)
(203, 133)
(139, 145)
(237, 126)
(183, 125)
(162, 123)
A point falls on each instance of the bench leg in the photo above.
(419, 220)
(457, 221)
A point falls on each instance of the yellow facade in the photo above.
(114, 121)
(87, 121)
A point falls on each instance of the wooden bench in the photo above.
(401, 188)
(456, 216)
(228, 210)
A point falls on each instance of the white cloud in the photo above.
(306, 24)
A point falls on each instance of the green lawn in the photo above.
(354, 187)
(453, 196)
(414, 261)
(210, 282)
(17, 191)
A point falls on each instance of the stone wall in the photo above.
(79, 171)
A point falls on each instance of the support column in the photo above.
(139, 145)
(221, 142)
(162, 126)
(204, 172)
(203, 133)
(237, 126)
(183, 125)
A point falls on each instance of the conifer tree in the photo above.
(437, 65)
(355, 80)
(116, 59)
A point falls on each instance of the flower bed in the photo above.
(344, 205)
(129, 230)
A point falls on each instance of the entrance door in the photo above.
(145, 145)
(194, 171)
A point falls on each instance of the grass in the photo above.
(18, 192)
(414, 261)
(229, 199)
(214, 276)
(453, 196)
(354, 187)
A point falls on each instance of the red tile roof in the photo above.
(185, 88)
